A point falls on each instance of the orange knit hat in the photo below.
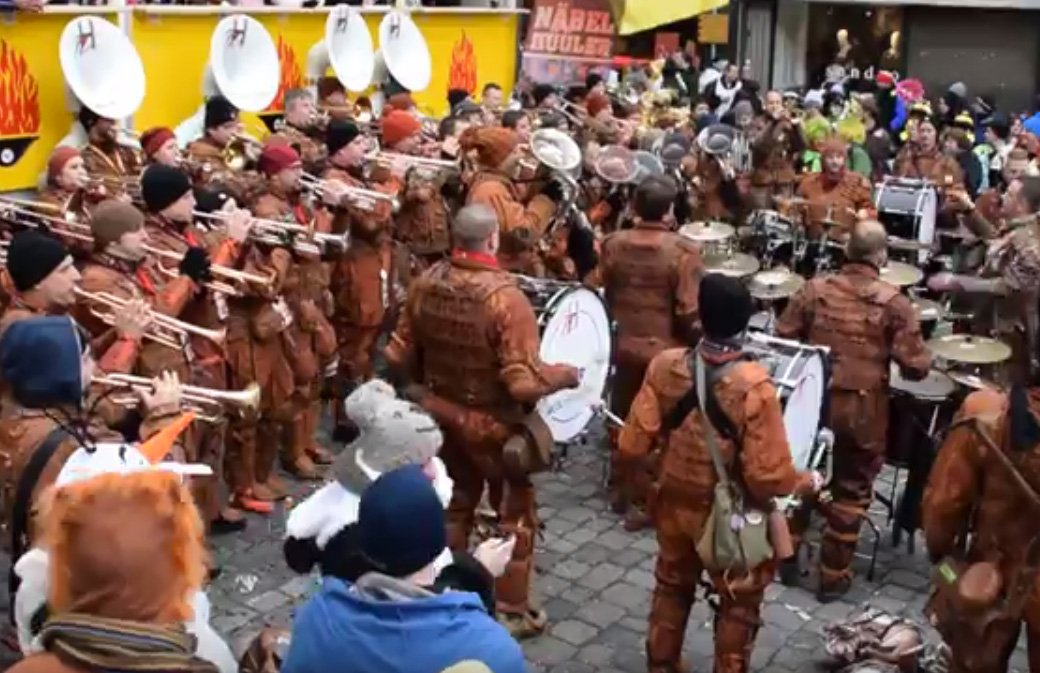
(493, 145)
(399, 125)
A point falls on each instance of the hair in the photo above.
(490, 86)
(511, 118)
(655, 196)
(576, 94)
(1001, 128)
(960, 136)
(293, 95)
(447, 127)
(867, 239)
(473, 226)
(1031, 193)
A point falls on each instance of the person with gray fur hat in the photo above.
(392, 432)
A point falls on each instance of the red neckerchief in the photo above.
(300, 214)
(144, 279)
(479, 257)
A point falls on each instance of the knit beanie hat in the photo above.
(391, 432)
(596, 103)
(456, 96)
(401, 522)
(152, 140)
(541, 92)
(210, 200)
(277, 157)
(111, 219)
(87, 118)
(328, 86)
(219, 110)
(59, 158)
(493, 145)
(398, 125)
(725, 306)
(339, 134)
(31, 257)
(40, 359)
(162, 185)
(400, 101)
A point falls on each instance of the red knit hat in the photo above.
(399, 101)
(59, 157)
(277, 157)
(597, 103)
(153, 139)
(399, 125)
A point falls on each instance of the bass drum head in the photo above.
(803, 406)
(575, 331)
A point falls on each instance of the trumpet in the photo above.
(246, 400)
(224, 272)
(572, 117)
(164, 330)
(365, 199)
(428, 166)
(274, 231)
(26, 214)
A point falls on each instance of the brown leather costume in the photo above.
(838, 200)
(209, 168)
(969, 491)
(775, 147)
(120, 163)
(650, 277)
(423, 222)
(706, 182)
(522, 227)
(748, 399)
(866, 323)
(936, 167)
(312, 153)
(468, 335)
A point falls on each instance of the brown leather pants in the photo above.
(629, 481)
(996, 647)
(679, 524)
(471, 465)
(357, 347)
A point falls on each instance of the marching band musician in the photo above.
(994, 208)
(209, 153)
(866, 323)
(715, 189)
(159, 145)
(923, 159)
(468, 343)
(521, 226)
(835, 193)
(491, 100)
(422, 223)
(67, 182)
(776, 144)
(311, 343)
(105, 157)
(332, 98)
(650, 278)
(746, 419)
(300, 128)
(43, 278)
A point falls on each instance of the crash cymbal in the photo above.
(737, 265)
(901, 274)
(972, 381)
(897, 243)
(927, 310)
(707, 232)
(969, 349)
(775, 284)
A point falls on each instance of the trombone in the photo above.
(26, 214)
(199, 398)
(164, 330)
(365, 199)
(224, 272)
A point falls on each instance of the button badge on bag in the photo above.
(753, 518)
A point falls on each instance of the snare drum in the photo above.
(575, 329)
(916, 410)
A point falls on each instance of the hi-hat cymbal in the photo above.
(901, 274)
(927, 310)
(969, 349)
(775, 284)
(737, 265)
(707, 232)
(897, 243)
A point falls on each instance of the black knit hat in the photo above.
(31, 257)
(87, 118)
(725, 306)
(340, 133)
(162, 185)
(456, 96)
(541, 92)
(210, 200)
(219, 110)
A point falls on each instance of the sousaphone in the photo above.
(243, 67)
(347, 48)
(102, 70)
(403, 54)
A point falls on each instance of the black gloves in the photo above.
(554, 190)
(581, 247)
(195, 265)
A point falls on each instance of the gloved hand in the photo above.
(581, 247)
(195, 265)
(554, 190)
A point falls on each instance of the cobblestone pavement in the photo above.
(595, 580)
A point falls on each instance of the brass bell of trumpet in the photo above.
(210, 402)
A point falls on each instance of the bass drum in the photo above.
(801, 376)
(575, 329)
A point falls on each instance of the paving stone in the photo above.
(781, 617)
(615, 539)
(630, 660)
(596, 654)
(574, 631)
(647, 544)
(559, 608)
(548, 650)
(628, 557)
(641, 578)
(573, 667)
(576, 514)
(910, 580)
(268, 601)
(578, 595)
(300, 586)
(602, 576)
(571, 570)
(620, 638)
(592, 553)
(626, 595)
(601, 613)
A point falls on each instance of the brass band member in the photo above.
(835, 193)
(650, 278)
(520, 122)
(209, 154)
(422, 223)
(776, 144)
(346, 146)
(922, 158)
(492, 101)
(332, 98)
(67, 182)
(43, 278)
(299, 129)
(159, 145)
(106, 158)
(747, 420)
(866, 323)
(469, 339)
(521, 226)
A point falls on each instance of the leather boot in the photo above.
(295, 459)
(318, 454)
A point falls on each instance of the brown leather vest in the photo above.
(459, 361)
(850, 319)
(640, 289)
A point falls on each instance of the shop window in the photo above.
(860, 39)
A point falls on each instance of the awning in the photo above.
(964, 4)
(635, 16)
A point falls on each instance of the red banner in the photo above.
(567, 37)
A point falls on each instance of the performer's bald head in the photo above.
(868, 242)
(475, 229)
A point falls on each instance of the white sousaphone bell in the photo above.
(347, 49)
(102, 70)
(243, 67)
(403, 54)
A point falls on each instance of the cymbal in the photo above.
(897, 243)
(969, 349)
(972, 381)
(707, 232)
(737, 265)
(831, 224)
(901, 274)
(927, 310)
(775, 284)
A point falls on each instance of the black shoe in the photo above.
(790, 573)
(345, 434)
(225, 527)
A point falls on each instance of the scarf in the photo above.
(117, 646)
